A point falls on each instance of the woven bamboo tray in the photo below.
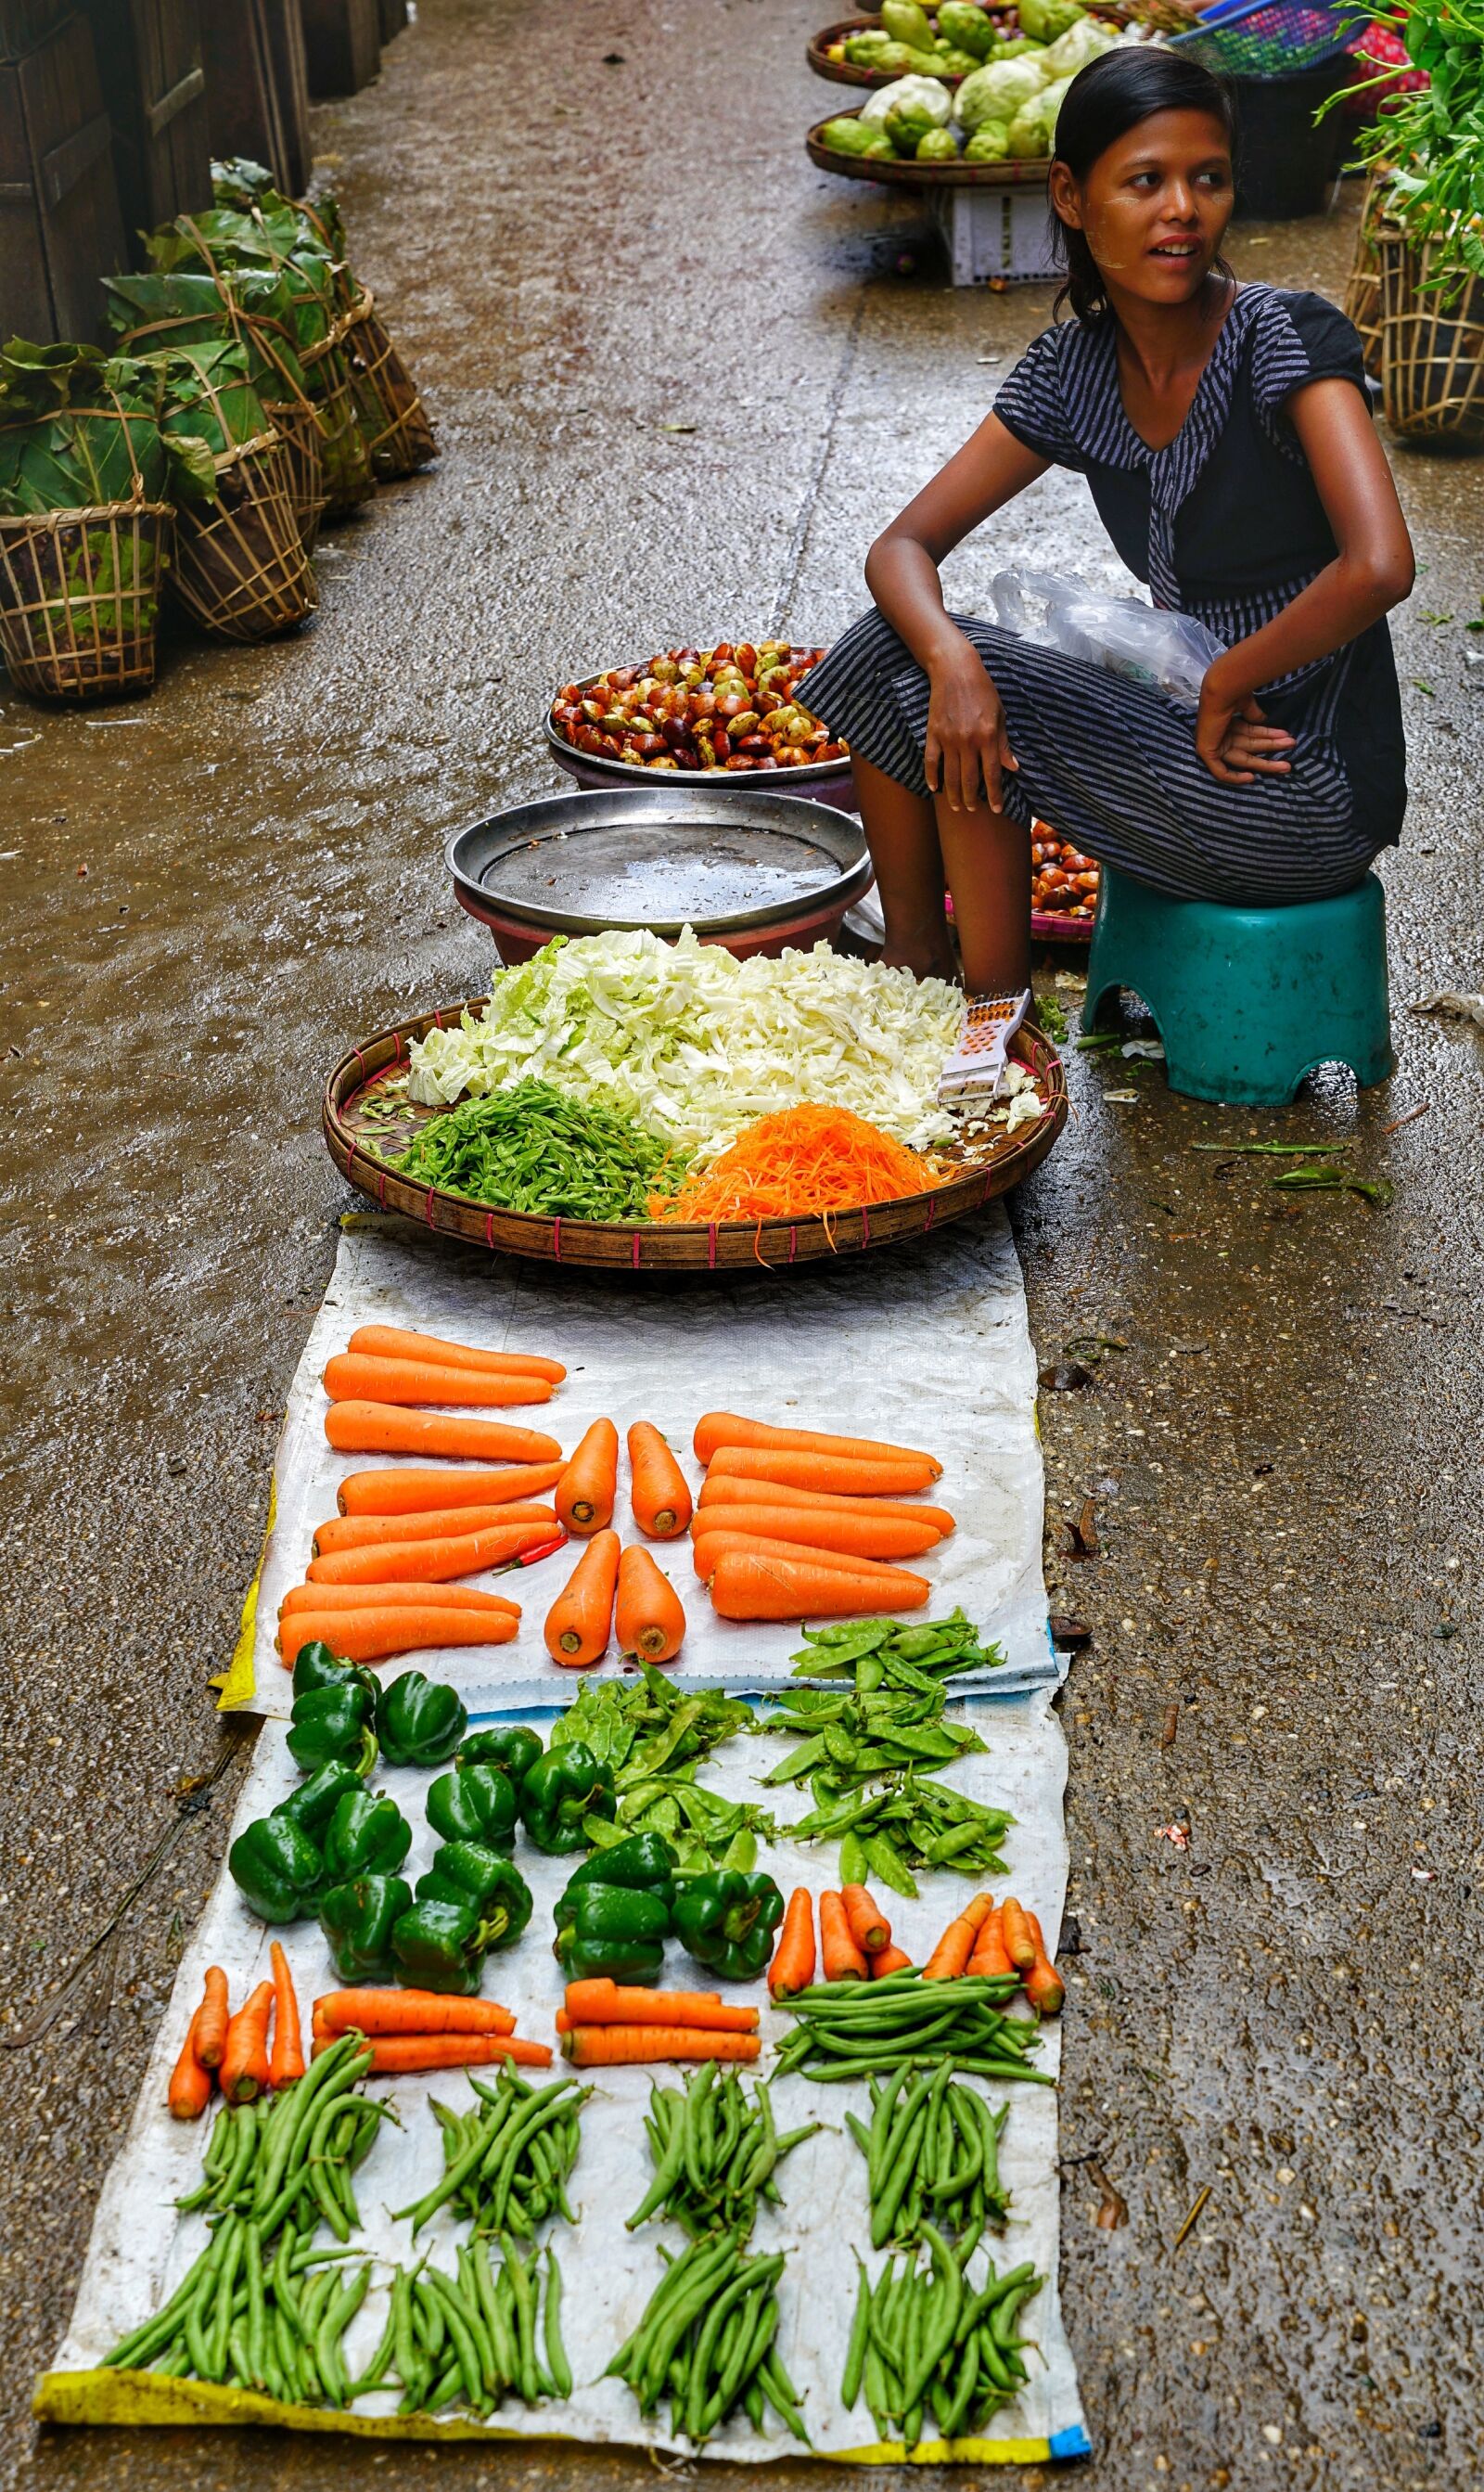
(850, 73)
(366, 1112)
(1015, 173)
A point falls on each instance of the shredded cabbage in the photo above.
(696, 1045)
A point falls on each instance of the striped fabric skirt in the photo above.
(1113, 766)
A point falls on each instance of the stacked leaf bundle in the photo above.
(86, 483)
(241, 571)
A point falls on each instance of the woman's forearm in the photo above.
(904, 581)
(1346, 598)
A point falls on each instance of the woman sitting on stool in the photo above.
(1225, 434)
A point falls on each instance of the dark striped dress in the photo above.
(1225, 523)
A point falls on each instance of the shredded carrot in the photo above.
(801, 1162)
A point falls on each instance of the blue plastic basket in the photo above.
(1269, 38)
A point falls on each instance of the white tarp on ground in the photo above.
(927, 1346)
(922, 1345)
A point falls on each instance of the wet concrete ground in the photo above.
(681, 377)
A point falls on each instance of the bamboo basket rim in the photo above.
(1006, 173)
(90, 514)
(649, 1245)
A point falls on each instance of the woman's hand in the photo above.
(968, 742)
(1234, 739)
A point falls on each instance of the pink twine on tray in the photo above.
(427, 1209)
(711, 1246)
(932, 1210)
(865, 1226)
(489, 1230)
(556, 1238)
(381, 1188)
(793, 1244)
(361, 1060)
(634, 1243)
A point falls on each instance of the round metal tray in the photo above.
(744, 867)
(906, 173)
(829, 781)
(367, 1116)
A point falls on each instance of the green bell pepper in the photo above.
(563, 1787)
(644, 1864)
(472, 1874)
(477, 1804)
(513, 1746)
(613, 1930)
(368, 1836)
(334, 1725)
(438, 1945)
(420, 1721)
(315, 1802)
(318, 1666)
(357, 1919)
(278, 1867)
(726, 1921)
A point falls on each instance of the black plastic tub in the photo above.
(1284, 165)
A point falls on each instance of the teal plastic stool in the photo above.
(1248, 1001)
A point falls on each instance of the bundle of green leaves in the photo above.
(1430, 142)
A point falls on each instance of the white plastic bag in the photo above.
(1148, 643)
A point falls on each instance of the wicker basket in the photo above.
(345, 461)
(241, 571)
(294, 422)
(79, 594)
(357, 1138)
(1363, 287)
(1432, 346)
(393, 418)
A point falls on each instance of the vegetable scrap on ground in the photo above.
(621, 1078)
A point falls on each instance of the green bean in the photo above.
(556, 2353)
(855, 2350)
(257, 2304)
(465, 2334)
(525, 2321)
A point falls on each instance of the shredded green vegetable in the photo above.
(534, 1149)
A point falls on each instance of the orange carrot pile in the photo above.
(439, 1522)
(841, 1958)
(233, 2051)
(406, 2031)
(609, 2025)
(433, 1561)
(718, 1429)
(801, 1162)
(996, 1942)
(351, 1377)
(391, 1341)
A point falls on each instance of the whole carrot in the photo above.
(395, 1596)
(244, 2071)
(392, 1341)
(841, 1958)
(378, 1428)
(409, 2012)
(792, 1968)
(725, 1488)
(717, 1542)
(286, 2060)
(841, 1473)
(989, 1957)
(627, 2046)
(588, 1488)
(1015, 1928)
(444, 1522)
(601, 2001)
(749, 1586)
(720, 1429)
(950, 1957)
(648, 1614)
(657, 1485)
(870, 1927)
(350, 1377)
(580, 1618)
(431, 1561)
(377, 1634)
(892, 1959)
(190, 2089)
(212, 2017)
(1042, 1982)
(856, 1535)
(401, 2055)
(413, 1489)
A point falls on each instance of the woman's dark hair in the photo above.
(1107, 99)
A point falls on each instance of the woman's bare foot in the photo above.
(925, 959)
